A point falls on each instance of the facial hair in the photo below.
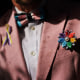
(24, 2)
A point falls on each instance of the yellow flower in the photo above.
(72, 40)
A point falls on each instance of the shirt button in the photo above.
(33, 53)
(32, 28)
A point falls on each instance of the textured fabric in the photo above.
(31, 44)
(30, 40)
(52, 65)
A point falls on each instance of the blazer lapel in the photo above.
(48, 47)
(15, 51)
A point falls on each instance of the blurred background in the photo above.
(56, 10)
(4, 6)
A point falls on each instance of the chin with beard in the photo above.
(30, 2)
(24, 2)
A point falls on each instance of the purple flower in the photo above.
(62, 35)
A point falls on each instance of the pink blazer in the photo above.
(52, 65)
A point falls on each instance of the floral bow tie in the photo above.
(23, 18)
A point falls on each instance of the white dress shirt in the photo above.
(30, 39)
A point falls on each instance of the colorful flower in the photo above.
(67, 39)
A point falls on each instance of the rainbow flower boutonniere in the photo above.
(67, 39)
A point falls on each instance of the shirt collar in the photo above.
(18, 11)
